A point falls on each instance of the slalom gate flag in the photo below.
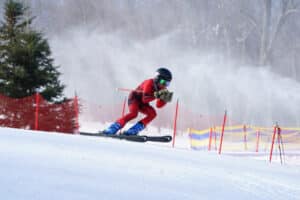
(199, 139)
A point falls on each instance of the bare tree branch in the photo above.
(249, 17)
(286, 11)
(291, 11)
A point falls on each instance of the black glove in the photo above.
(164, 95)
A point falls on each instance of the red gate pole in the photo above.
(76, 109)
(175, 123)
(272, 145)
(36, 118)
(222, 134)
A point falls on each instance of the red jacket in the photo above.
(144, 93)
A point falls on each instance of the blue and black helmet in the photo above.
(164, 73)
(163, 76)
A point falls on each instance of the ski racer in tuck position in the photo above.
(139, 99)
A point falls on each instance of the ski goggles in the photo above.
(164, 82)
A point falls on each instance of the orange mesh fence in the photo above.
(35, 113)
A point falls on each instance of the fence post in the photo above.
(190, 137)
(210, 138)
(175, 123)
(37, 105)
(245, 137)
(257, 139)
(222, 134)
(279, 141)
(280, 136)
(215, 133)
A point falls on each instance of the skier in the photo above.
(139, 99)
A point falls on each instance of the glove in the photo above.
(164, 95)
(158, 94)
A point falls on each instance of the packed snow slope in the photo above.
(37, 165)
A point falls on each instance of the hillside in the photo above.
(58, 166)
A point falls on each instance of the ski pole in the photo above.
(124, 89)
(127, 90)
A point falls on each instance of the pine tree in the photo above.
(26, 66)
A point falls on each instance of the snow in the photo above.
(39, 165)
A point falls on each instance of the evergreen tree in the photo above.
(26, 66)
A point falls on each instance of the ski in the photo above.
(134, 138)
(166, 138)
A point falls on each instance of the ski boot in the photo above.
(135, 129)
(112, 129)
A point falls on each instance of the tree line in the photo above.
(253, 33)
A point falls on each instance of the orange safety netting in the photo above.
(35, 113)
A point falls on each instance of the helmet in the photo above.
(163, 73)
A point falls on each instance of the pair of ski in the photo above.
(134, 138)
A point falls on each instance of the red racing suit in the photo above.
(139, 100)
